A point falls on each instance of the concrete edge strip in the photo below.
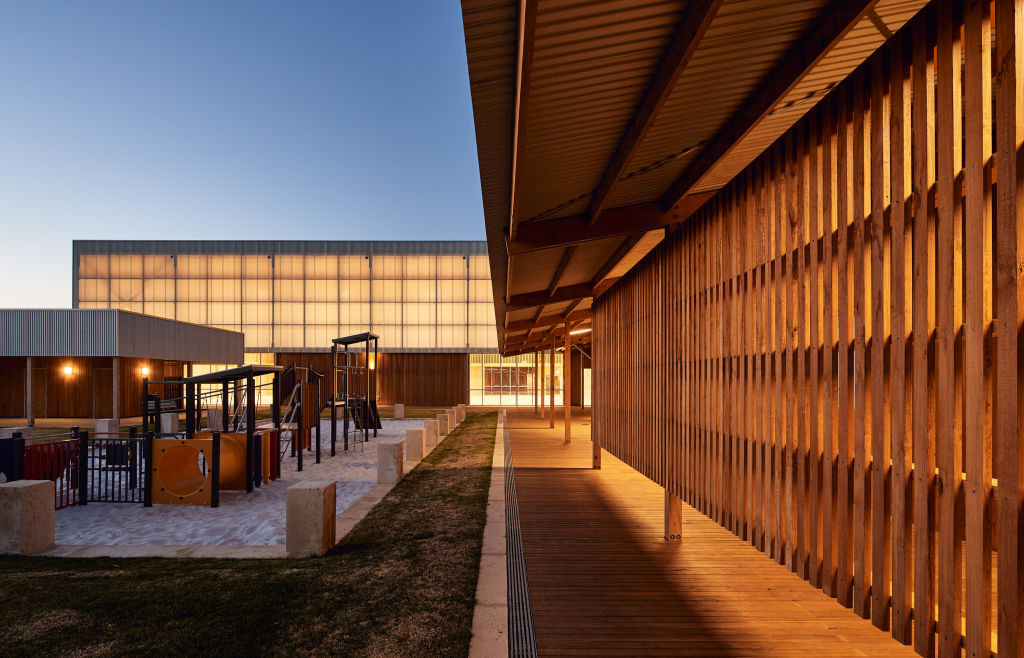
(490, 615)
(344, 523)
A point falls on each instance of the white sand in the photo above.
(255, 519)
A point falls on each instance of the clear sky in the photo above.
(228, 119)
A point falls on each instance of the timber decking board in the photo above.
(604, 582)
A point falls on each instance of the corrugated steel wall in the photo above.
(144, 336)
(58, 332)
(826, 359)
(108, 332)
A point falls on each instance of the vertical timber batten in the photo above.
(837, 334)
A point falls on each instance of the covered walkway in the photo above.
(603, 581)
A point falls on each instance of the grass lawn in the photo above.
(403, 582)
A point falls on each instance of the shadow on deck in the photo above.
(604, 582)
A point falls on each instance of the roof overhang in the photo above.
(600, 123)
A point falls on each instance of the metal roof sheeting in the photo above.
(109, 332)
(591, 65)
(283, 247)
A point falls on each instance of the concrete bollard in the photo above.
(390, 463)
(8, 432)
(442, 426)
(169, 422)
(430, 432)
(399, 411)
(461, 413)
(26, 516)
(107, 426)
(415, 445)
(309, 518)
(452, 420)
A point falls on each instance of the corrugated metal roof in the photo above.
(592, 63)
(109, 332)
(490, 27)
(284, 247)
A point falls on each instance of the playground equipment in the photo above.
(361, 407)
(192, 468)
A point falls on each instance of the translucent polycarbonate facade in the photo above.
(417, 296)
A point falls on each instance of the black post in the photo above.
(17, 457)
(250, 426)
(145, 404)
(275, 410)
(224, 409)
(344, 397)
(309, 375)
(133, 459)
(376, 389)
(83, 466)
(190, 411)
(297, 438)
(215, 471)
(366, 415)
(334, 395)
(147, 455)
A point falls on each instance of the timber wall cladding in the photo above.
(410, 378)
(826, 358)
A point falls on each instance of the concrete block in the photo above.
(8, 432)
(430, 432)
(309, 521)
(461, 413)
(26, 516)
(452, 420)
(105, 426)
(390, 463)
(399, 411)
(415, 445)
(169, 423)
(442, 426)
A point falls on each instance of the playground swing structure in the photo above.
(192, 467)
(360, 406)
(300, 412)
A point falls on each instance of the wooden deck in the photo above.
(604, 582)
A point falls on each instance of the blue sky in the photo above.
(217, 119)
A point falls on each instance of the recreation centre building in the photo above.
(429, 301)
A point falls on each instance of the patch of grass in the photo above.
(403, 582)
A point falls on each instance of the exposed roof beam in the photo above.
(548, 320)
(520, 347)
(612, 223)
(556, 278)
(695, 22)
(524, 69)
(565, 293)
(780, 97)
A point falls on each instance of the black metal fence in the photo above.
(115, 470)
(522, 640)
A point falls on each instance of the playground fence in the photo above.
(115, 470)
(56, 461)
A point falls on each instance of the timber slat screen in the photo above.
(832, 343)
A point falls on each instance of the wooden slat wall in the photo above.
(61, 396)
(826, 359)
(413, 378)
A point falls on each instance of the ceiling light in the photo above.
(576, 332)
